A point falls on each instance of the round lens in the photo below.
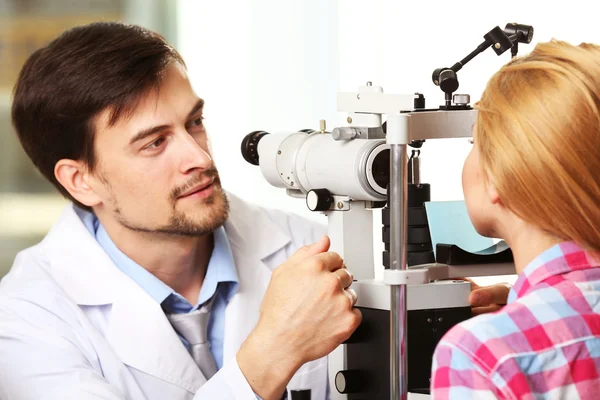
(381, 168)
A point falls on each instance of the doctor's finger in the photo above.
(330, 261)
(351, 294)
(344, 276)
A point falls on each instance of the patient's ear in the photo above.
(492, 192)
(74, 177)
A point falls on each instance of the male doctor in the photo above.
(154, 283)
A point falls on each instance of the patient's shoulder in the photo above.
(491, 337)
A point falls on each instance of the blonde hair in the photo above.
(538, 133)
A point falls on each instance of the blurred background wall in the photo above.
(28, 203)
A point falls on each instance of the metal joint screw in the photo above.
(497, 45)
(340, 205)
(349, 119)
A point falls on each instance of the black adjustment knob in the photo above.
(448, 81)
(319, 200)
(349, 381)
(435, 76)
(250, 146)
(303, 394)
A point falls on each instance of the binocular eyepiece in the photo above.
(250, 146)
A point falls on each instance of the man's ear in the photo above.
(74, 177)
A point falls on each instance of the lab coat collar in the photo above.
(78, 263)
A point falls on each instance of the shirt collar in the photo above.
(559, 259)
(221, 267)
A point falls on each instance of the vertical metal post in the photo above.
(397, 138)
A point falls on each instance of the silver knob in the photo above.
(345, 133)
(461, 99)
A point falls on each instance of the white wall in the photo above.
(276, 65)
(260, 65)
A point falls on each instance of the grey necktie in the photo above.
(193, 327)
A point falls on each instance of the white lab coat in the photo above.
(73, 326)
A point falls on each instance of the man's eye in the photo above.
(155, 144)
(196, 122)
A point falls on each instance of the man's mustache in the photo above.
(201, 177)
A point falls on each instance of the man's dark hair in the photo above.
(65, 85)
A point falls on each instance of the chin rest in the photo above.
(451, 254)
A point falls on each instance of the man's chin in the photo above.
(189, 219)
(214, 208)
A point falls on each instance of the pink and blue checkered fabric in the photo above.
(544, 344)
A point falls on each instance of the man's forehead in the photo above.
(172, 88)
(149, 110)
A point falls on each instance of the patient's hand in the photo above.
(485, 299)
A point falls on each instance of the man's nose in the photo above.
(193, 156)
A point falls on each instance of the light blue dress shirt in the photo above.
(221, 280)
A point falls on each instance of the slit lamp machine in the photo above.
(407, 312)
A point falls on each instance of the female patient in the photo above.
(533, 179)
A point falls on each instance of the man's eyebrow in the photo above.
(147, 132)
(155, 129)
(199, 105)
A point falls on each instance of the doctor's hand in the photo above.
(305, 314)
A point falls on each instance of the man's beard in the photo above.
(216, 212)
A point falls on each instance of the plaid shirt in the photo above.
(544, 344)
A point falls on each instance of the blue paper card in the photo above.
(449, 223)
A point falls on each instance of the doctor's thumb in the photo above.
(320, 246)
